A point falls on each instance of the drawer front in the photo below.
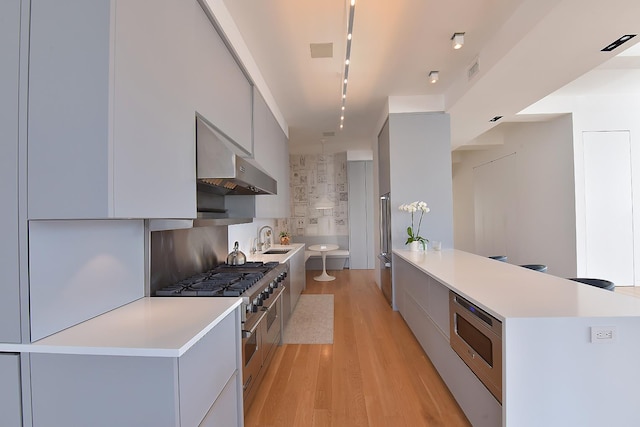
(206, 368)
(224, 411)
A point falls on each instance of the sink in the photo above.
(276, 251)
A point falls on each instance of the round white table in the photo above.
(323, 249)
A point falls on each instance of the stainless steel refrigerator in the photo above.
(385, 247)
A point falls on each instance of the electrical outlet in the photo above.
(603, 334)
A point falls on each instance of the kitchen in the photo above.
(110, 194)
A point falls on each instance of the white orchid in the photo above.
(414, 234)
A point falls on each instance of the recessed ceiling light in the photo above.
(458, 40)
(343, 108)
(433, 76)
(618, 42)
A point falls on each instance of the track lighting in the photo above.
(433, 76)
(458, 40)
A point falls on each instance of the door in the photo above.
(608, 206)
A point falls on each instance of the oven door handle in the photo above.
(247, 334)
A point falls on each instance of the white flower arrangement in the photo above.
(414, 233)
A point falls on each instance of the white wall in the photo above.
(605, 109)
(543, 230)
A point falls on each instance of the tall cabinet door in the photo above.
(360, 175)
(111, 125)
(609, 209)
(9, 70)
(10, 403)
(271, 151)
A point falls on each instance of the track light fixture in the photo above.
(458, 40)
(433, 76)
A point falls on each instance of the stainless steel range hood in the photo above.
(226, 173)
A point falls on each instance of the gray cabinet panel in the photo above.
(10, 406)
(69, 77)
(81, 269)
(111, 124)
(200, 386)
(223, 93)
(224, 411)
(78, 391)
(360, 177)
(9, 70)
(298, 278)
(271, 151)
(420, 167)
(384, 175)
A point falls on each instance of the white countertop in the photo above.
(260, 257)
(507, 290)
(154, 327)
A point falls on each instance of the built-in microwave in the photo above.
(476, 337)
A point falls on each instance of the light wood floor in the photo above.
(633, 291)
(374, 374)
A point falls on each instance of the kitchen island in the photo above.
(553, 372)
(156, 361)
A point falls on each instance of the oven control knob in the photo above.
(265, 294)
(254, 308)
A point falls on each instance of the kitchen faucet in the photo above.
(263, 245)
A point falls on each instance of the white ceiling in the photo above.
(526, 49)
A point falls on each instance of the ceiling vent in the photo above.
(321, 50)
(473, 69)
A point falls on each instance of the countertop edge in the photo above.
(43, 347)
(508, 291)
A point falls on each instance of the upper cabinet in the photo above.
(271, 152)
(111, 117)
(222, 91)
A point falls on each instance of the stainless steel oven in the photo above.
(476, 337)
(272, 328)
(252, 352)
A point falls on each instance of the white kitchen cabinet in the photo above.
(9, 223)
(222, 91)
(271, 152)
(111, 124)
(200, 386)
(10, 401)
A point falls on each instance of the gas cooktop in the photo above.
(221, 281)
